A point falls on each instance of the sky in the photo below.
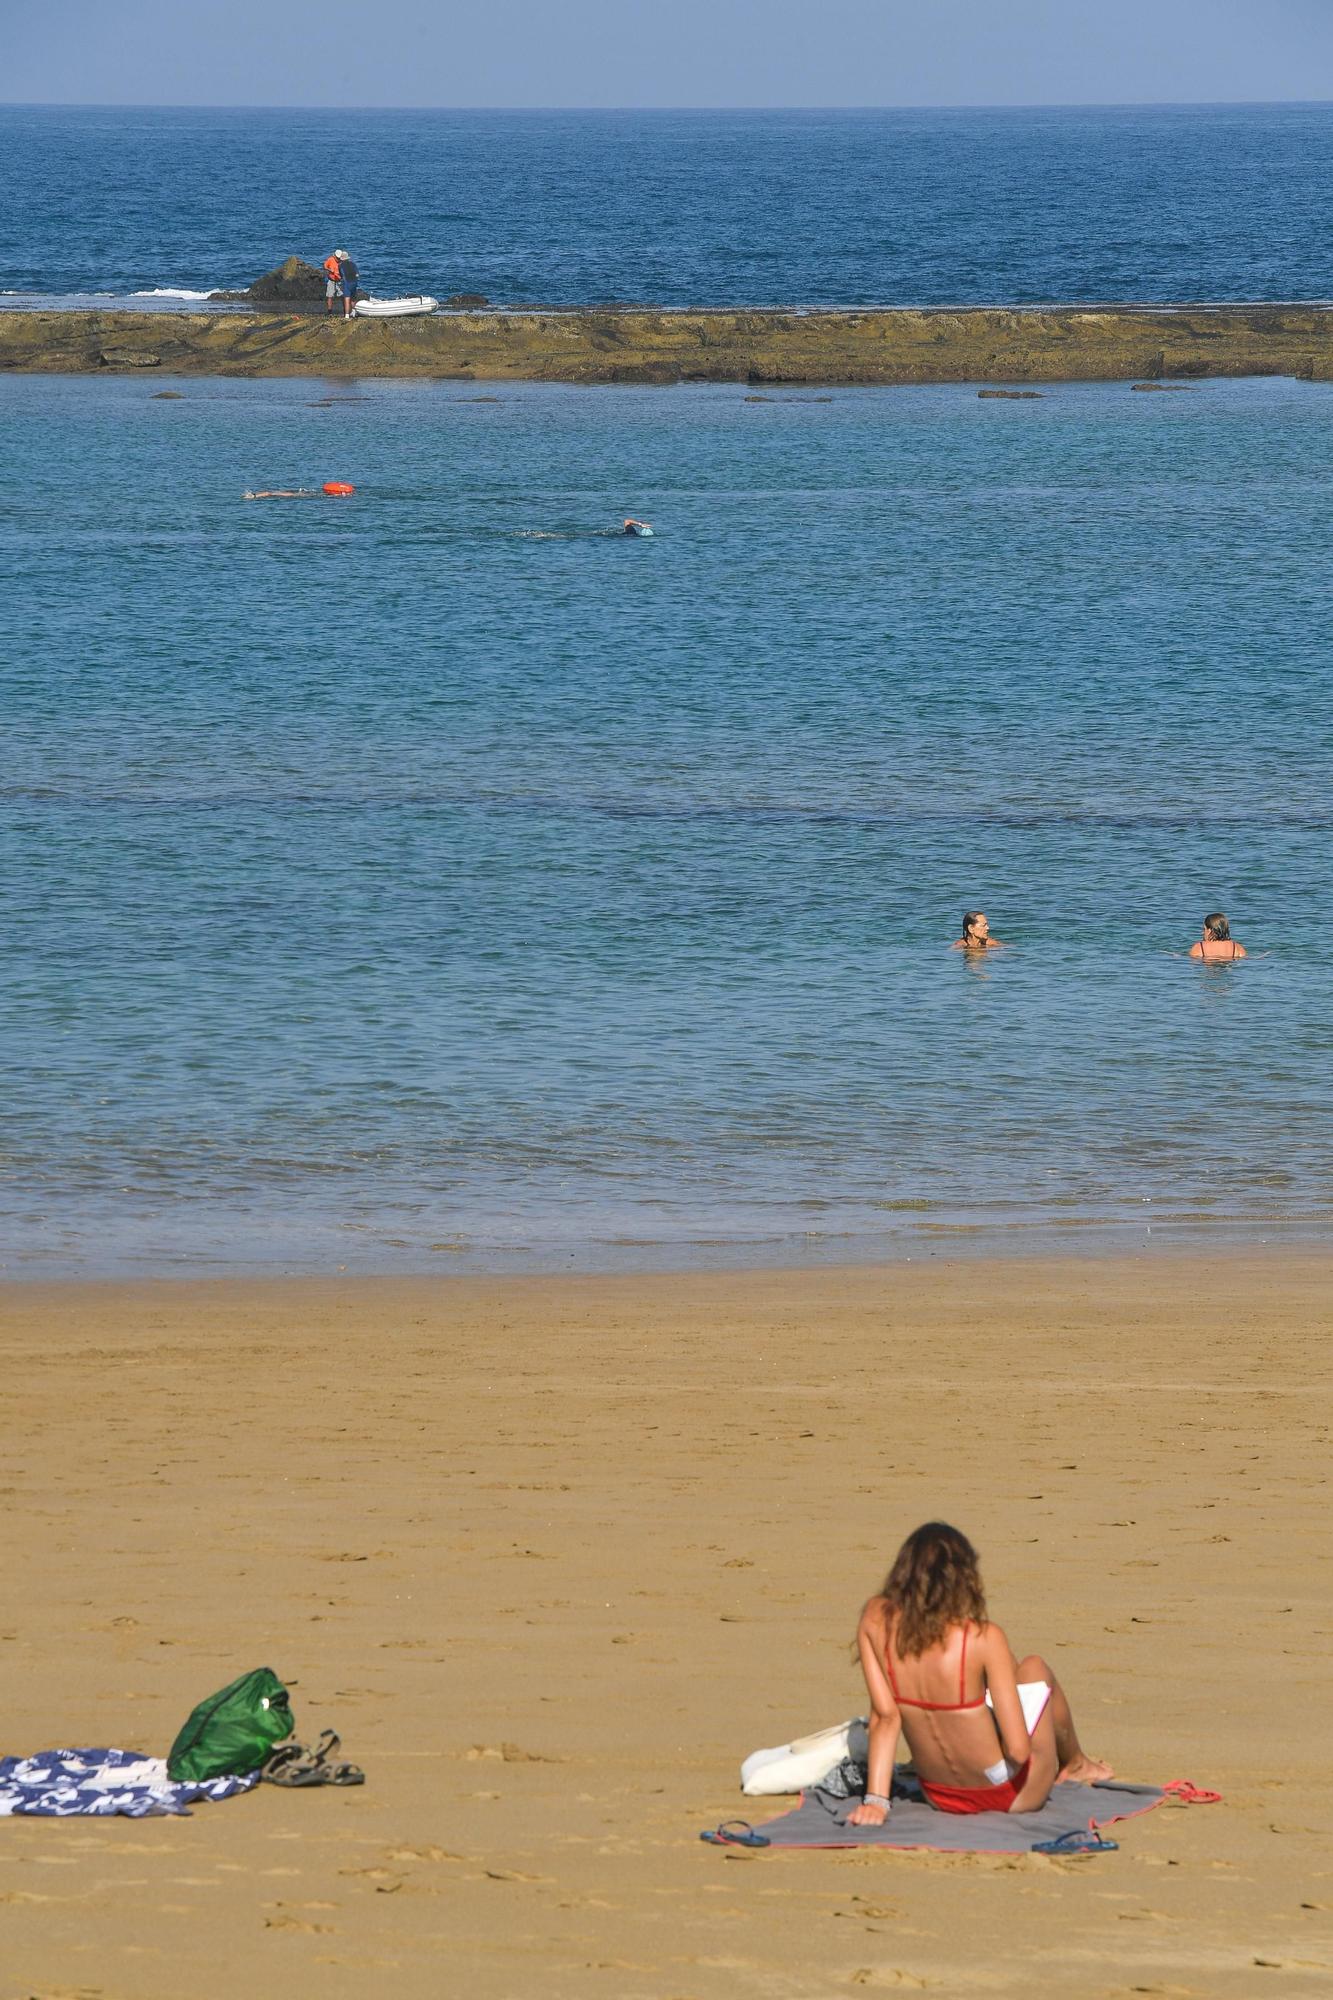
(590, 53)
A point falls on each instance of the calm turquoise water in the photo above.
(433, 878)
(679, 208)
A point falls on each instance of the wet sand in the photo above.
(553, 1555)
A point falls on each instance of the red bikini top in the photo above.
(943, 1707)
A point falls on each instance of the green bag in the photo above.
(233, 1731)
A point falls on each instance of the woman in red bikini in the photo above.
(987, 1732)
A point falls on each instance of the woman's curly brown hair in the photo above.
(935, 1582)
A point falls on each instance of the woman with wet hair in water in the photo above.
(1217, 946)
(976, 934)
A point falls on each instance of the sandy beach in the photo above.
(554, 1554)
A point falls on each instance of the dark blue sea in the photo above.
(436, 879)
(678, 208)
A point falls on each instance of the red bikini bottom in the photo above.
(977, 1798)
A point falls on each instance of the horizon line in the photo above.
(676, 110)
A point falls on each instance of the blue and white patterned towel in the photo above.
(63, 1784)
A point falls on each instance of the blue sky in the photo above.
(664, 52)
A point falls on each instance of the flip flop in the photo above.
(735, 1833)
(1079, 1840)
(1186, 1794)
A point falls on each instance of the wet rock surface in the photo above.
(1014, 350)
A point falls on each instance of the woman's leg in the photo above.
(1057, 1755)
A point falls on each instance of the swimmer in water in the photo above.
(281, 493)
(976, 934)
(1217, 946)
(633, 527)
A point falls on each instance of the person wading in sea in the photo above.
(976, 934)
(1217, 946)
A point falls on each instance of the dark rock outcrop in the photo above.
(291, 283)
(467, 302)
(1009, 395)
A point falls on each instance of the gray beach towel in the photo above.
(819, 1820)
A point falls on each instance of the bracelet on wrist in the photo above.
(876, 1799)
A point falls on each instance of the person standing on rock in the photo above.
(333, 278)
(349, 278)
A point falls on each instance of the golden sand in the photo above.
(553, 1555)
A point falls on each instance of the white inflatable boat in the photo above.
(394, 308)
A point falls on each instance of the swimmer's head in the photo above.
(1216, 927)
(975, 924)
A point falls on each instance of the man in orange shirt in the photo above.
(332, 282)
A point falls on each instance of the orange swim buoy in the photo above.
(338, 486)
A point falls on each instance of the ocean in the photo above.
(676, 208)
(438, 880)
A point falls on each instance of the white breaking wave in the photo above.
(168, 292)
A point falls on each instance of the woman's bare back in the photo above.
(941, 1695)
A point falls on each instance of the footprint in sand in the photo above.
(283, 1920)
(65, 1993)
(891, 1977)
(508, 1753)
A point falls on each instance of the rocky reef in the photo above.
(1014, 348)
(291, 283)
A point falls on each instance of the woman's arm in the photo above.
(997, 1659)
(885, 1721)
